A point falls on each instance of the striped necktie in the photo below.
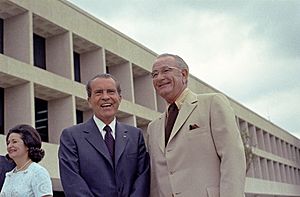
(109, 141)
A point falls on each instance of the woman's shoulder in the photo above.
(10, 173)
(36, 168)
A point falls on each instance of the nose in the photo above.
(160, 75)
(105, 96)
(9, 145)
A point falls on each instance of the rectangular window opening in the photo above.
(1, 35)
(39, 51)
(1, 111)
(76, 57)
(79, 116)
(41, 118)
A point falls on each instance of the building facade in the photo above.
(50, 48)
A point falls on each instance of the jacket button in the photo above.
(176, 193)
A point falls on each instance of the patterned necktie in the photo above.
(172, 115)
(109, 141)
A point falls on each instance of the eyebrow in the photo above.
(173, 67)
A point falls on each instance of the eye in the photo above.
(154, 74)
(98, 92)
(166, 70)
(111, 91)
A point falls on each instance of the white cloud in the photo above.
(242, 50)
(280, 107)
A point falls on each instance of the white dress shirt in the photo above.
(101, 126)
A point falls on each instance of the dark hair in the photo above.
(180, 62)
(103, 76)
(31, 139)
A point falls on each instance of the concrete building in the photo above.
(50, 48)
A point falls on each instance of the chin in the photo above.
(108, 115)
(165, 94)
(12, 156)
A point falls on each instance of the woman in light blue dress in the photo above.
(28, 178)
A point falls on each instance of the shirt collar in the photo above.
(179, 101)
(100, 124)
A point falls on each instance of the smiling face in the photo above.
(169, 80)
(104, 99)
(16, 148)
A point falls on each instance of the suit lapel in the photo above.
(121, 141)
(93, 136)
(186, 109)
(161, 131)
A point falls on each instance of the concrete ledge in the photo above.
(259, 186)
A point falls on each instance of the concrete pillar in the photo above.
(59, 55)
(91, 64)
(61, 114)
(19, 105)
(18, 37)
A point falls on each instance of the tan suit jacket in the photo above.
(204, 156)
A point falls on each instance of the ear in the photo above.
(89, 102)
(185, 74)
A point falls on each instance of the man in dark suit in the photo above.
(103, 157)
(5, 166)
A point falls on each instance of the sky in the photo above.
(249, 50)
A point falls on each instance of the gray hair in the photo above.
(180, 62)
(103, 76)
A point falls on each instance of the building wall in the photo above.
(275, 170)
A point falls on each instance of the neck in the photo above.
(22, 165)
(106, 121)
(174, 98)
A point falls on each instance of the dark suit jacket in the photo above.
(5, 166)
(86, 168)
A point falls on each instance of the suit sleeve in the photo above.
(73, 184)
(141, 186)
(229, 147)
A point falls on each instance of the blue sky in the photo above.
(249, 50)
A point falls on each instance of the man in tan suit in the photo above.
(202, 155)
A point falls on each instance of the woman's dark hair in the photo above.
(31, 139)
